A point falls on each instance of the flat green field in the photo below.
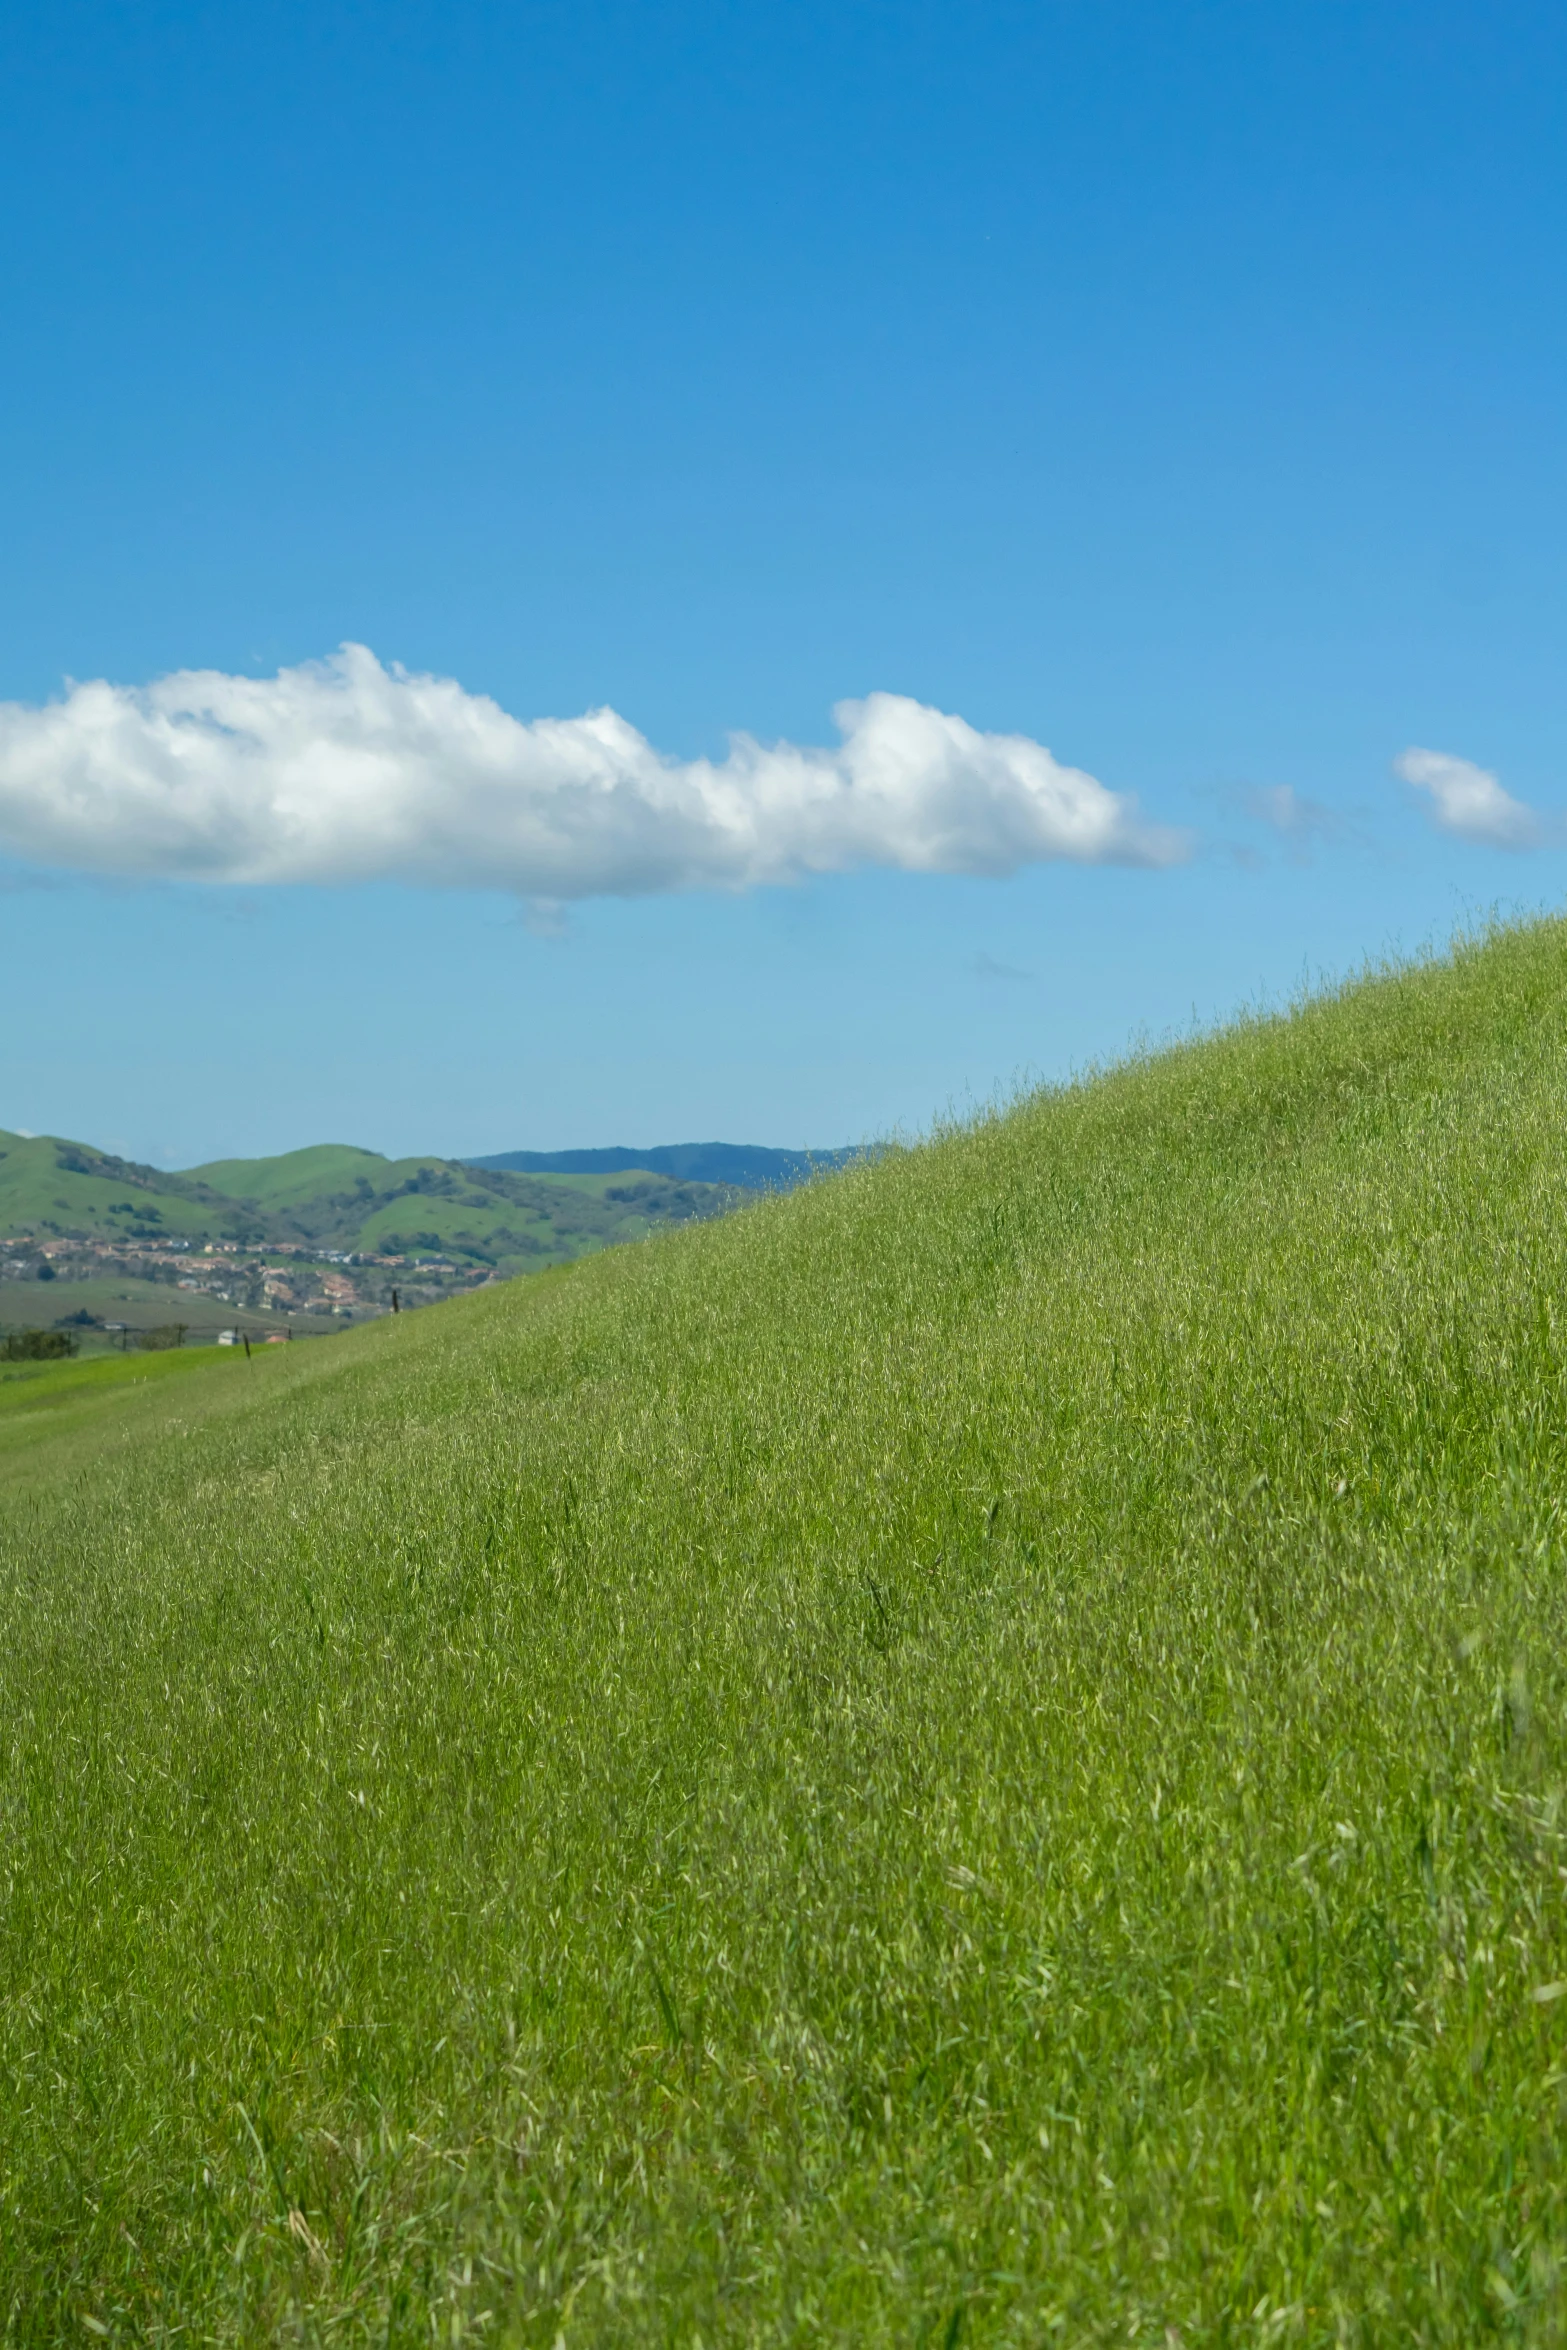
(57, 1418)
(974, 1754)
(140, 1305)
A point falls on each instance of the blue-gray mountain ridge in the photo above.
(748, 1166)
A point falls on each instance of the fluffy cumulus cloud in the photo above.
(344, 770)
(1468, 801)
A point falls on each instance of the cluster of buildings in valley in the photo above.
(287, 1277)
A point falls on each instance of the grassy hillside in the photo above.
(292, 1178)
(52, 1186)
(974, 1754)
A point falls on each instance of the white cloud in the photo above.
(342, 770)
(1468, 801)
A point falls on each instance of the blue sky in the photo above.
(1177, 387)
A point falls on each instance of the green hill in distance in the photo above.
(295, 1178)
(50, 1186)
(973, 1755)
(338, 1198)
(344, 1198)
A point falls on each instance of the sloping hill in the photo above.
(48, 1185)
(975, 1753)
(293, 1179)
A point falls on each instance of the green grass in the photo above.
(976, 1754)
(56, 1418)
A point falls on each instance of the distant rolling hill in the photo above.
(333, 1196)
(745, 1164)
(337, 1196)
(54, 1187)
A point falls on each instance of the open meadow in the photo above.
(973, 1754)
(60, 1417)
